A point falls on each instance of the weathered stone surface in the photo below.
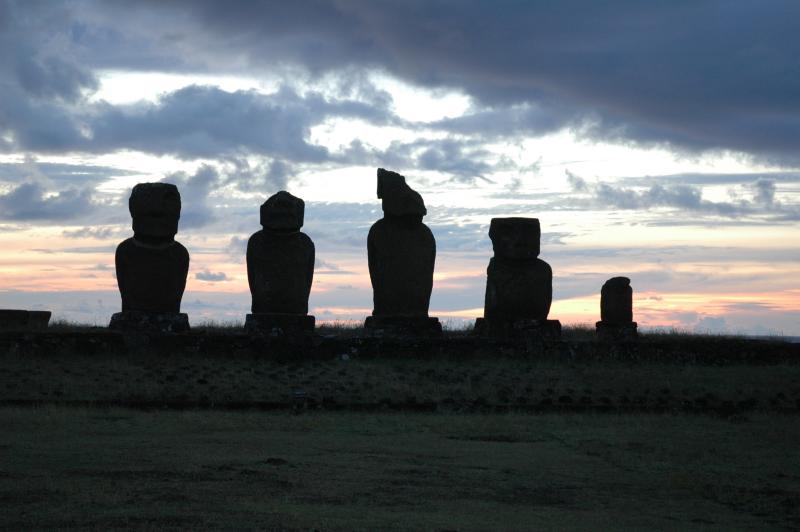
(151, 277)
(616, 301)
(518, 289)
(402, 327)
(149, 322)
(401, 251)
(12, 319)
(616, 332)
(283, 212)
(519, 286)
(155, 209)
(541, 330)
(397, 198)
(515, 238)
(151, 266)
(280, 325)
(280, 259)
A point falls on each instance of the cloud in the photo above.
(211, 277)
(30, 202)
(689, 198)
(632, 71)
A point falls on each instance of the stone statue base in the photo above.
(24, 319)
(279, 324)
(149, 322)
(523, 329)
(402, 327)
(616, 332)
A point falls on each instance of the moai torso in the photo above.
(401, 251)
(519, 286)
(151, 266)
(616, 301)
(280, 258)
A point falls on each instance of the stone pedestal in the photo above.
(24, 319)
(616, 332)
(279, 325)
(519, 329)
(149, 322)
(402, 327)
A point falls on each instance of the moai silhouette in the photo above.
(151, 265)
(616, 311)
(402, 252)
(280, 270)
(519, 285)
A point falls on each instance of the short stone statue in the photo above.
(616, 311)
(280, 269)
(151, 266)
(401, 252)
(519, 285)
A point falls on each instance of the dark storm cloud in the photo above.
(700, 74)
(59, 173)
(30, 202)
(715, 74)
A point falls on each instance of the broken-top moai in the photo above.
(402, 252)
(519, 285)
(151, 265)
(616, 311)
(280, 270)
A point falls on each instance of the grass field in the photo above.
(453, 385)
(115, 468)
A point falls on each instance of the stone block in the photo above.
(149, 322)
(400, 327)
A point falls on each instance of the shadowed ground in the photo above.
(115, 468)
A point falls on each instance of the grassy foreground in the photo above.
(115, 468)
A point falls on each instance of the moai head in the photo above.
(283, 212)
(515, 238)
(616, 301)
(155, 209)
(398, 199)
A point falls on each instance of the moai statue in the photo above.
(616, 311)
(519, 285)
(152, 266)
(401, 251)
(280, 269)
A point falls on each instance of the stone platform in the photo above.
(149, 322)
(522, 329)
(402, 327)
(24, 319)
(279, 324)
(616, 332)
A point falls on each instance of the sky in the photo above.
(655, 140)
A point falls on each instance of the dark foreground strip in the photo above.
(725, 410)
